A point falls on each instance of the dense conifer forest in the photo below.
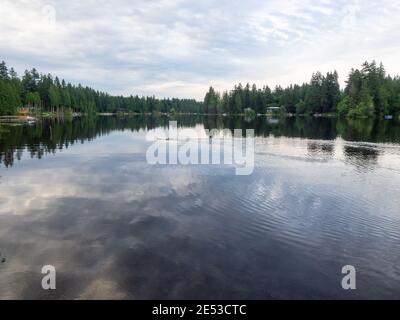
(369, 92)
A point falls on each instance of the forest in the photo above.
(50, 94)
(369, 92)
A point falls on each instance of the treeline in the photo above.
(369, 92)
(321, 95)
(46, 93)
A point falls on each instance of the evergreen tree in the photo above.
(211, 102)
(3, 71)
(54, 97)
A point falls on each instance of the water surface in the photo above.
(80, 195)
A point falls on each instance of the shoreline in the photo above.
(33, 117)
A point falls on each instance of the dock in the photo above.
(17, 119)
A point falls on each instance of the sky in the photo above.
(178, 48)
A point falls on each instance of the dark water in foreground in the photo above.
(323, 194)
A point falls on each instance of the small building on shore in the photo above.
(273, 109)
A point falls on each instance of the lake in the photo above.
(79, 195)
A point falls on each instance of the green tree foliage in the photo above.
(54, 96)
(41, 91)
(301, 107)
(365, 107)
(9, 91)
(9, 98)
(33, 99)
(237, 100)
(344, 106)
(331, 92)
(212, 103)
(315, 93)
(3, 71)
(370, 92)
(322, 94)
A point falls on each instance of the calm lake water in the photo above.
(79, 195)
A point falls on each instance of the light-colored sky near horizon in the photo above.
(178, 48)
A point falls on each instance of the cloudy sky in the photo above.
(179, 48)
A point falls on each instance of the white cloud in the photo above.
(179, 48)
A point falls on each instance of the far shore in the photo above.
(34, 116)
